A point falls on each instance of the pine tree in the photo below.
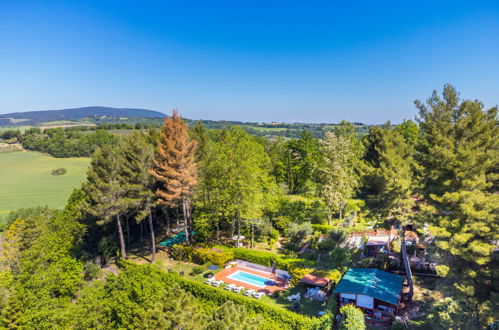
(138, 153)
(174, 167)
(388, 174)
(106, 194)
(459, 155)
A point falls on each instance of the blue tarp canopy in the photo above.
(177, 239)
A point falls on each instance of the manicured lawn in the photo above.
(26, 180)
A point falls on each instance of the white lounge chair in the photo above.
(238, 289)
(295, 297)
(209, 281)
(217, 283)
(258, 295)
(230, 287)
(249, 292)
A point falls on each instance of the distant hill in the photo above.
(79, 113)
(105, 115)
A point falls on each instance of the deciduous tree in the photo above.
(338, 179)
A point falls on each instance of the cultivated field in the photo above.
(26, 180)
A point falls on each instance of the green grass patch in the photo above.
(14, 128)
(26, 180)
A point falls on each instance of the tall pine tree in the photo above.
(105, 191)
(174, 168)
(138, 152)
(459, 154)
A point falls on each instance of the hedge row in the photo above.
(273, 317)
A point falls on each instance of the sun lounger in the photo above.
(295, 297)
(230, 287)
(238, 289)
(217, 283)
(258, 295)
(249, 292)
(210, 280)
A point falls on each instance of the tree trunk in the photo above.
(252, 234)
(153, 240)
(218, 230)
(141, 231)
(127, 232)
(407, 266)
(121, 237)
(167, 217)
(186, 229)
(233, 229)
(238, 230)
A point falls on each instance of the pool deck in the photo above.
(280, 284)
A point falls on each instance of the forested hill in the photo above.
(79, 113)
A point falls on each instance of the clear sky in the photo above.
(306, 61)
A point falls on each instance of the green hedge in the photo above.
(273, 317)
(216, 256)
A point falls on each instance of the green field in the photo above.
(26, 180)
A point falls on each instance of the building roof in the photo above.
(378, 240)
(371, 282)
(314, 280)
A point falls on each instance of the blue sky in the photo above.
(306, 61)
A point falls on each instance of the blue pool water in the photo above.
(252, 279)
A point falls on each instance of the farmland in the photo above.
(26, 180)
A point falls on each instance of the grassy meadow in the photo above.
(26, 180)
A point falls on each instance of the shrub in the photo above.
(91, 271)
(323, 229)
(274, 234)
(214, 256)
(296, 232)
(297, 273)
(272, 242)
(201, 256)
(352, 318)
(199, 269)
(59, 171)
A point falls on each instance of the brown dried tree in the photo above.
(174, 168)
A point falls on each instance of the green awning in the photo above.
(371, 282)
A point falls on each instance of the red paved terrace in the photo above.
(280, 283)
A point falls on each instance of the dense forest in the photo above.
(69, 268)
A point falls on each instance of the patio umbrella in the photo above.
(213, 267)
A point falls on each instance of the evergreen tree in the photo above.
(105, 191)
(388, 174)
(459, 156)
(174, 167)
(138, 153)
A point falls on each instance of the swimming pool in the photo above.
(251, 279)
